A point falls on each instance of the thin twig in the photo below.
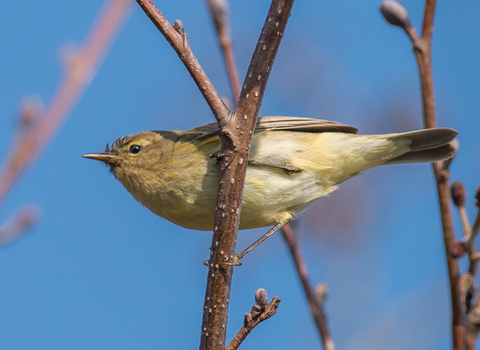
(179, 43)
(423, 54)
(428, 18)
(219, 12)
(476, 225)
(397, 15)
(79, 72)
(316, 306)
(253, 319)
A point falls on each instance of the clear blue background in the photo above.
(101, 272)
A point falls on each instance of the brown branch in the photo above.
(80, 70)
(219, 12)
(316, 306)
(395, 14)
(423, 54)
(179, 42)
(236, 139)
(235, 134)
(428, 17)
(261, 311)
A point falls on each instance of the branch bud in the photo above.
(457, 249)
(458, 193)
(321, 293)
(261, 298)
(178, 26)
(395, 14)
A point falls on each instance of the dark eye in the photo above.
(135, 149)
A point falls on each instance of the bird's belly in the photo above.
(267, 193)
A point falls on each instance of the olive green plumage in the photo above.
(173, 175)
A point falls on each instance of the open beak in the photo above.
(106, 157)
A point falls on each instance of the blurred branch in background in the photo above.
(397, 15)
(316, 299)
(219, 12)
(38, 126)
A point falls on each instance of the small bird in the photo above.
(293, 161)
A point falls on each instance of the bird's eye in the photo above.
(135, 149)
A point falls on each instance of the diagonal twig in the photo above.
(261, 311)
(177, 38)
(316, 306)
(219, 12)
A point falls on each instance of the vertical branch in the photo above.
(236, 133)
(423, 53)
(80, 70)
(219, 12)
(236, 139)
(396, 14)
(428, 17)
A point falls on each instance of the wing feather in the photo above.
(204, 132)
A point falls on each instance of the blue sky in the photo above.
(101, 272)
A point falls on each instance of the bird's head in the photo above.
(134, 158)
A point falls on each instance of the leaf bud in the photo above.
(458, 193)
(395, 14)
(261, 297)
(457, 249)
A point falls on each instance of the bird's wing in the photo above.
(204, 132)
(302, 124)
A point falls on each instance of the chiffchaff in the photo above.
(293, 161)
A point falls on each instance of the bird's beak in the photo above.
(106, 157)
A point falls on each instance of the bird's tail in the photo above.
(428, 145)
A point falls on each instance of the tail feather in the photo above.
(431, 155)
(427, 145)
(422, 140)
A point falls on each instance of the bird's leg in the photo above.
(284, 218)
(288, 169)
